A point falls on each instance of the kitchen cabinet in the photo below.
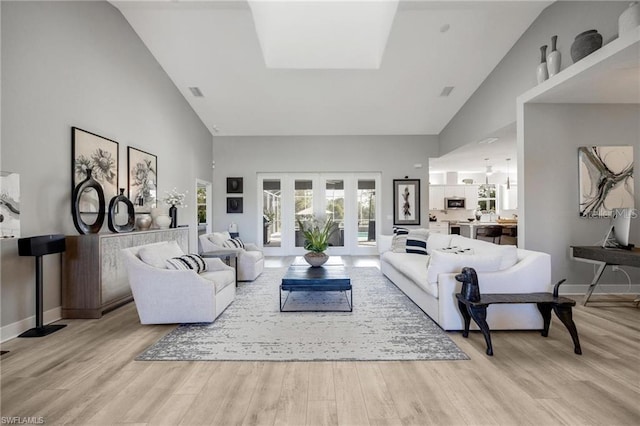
(436, 197)
(471, 194)
(454, 191)
(439, 227)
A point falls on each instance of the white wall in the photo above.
(80, 64)
(393, 156)
(551, 181)
(493, 105)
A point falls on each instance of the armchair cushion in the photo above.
(220, 279)
(157, 254)
(218, 238)
(187, 261)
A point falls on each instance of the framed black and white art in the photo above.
(234, 205)
(143, 179)
(406, 201)
(234, 185)
(100, 155)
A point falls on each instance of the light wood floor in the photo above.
(85, 374)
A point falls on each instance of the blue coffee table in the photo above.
(323, 278)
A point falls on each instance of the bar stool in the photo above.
(490, 231)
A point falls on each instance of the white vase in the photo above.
(155, 212)
(163, 221)
(629, 19)
(553, 58)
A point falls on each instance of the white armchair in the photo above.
(166, 296)
(249, 261)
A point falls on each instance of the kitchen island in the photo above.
(509, 231)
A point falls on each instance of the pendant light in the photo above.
(508, 182)
(488, 172)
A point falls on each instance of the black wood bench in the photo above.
(545, 301)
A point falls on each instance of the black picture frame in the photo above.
(406, 201)
(234, 205)
(90, 150)
(142, 177)
(234, 185)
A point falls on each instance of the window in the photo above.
(487, 197)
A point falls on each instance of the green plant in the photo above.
(317, 233)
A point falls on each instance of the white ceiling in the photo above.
(213, 45)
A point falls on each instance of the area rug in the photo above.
(384, 325)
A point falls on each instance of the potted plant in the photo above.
(316, 239)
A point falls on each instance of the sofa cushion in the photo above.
(508, 253)
(187, 262)
(157, 254)
(399, 243)
(419, 232)
(438, 241)
(416, 244)
(450, 263)
(233, 243)
(413, 266)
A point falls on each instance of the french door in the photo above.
(288, 199)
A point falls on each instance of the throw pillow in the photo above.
(450, 263)
(417, 245)
(234, 243)
(399, 244)
(157, 254)
(187, 262)
(397, 230)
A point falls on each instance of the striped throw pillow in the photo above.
(416, 245)
(187, 262)
(397, 230)
(233, 243)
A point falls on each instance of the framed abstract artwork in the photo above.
(9, 205)
(100, 155)
(606, 179)
(406, 201)
(234, 205)
(234, 185)
(143, 179)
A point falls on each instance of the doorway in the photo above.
(203, 208)
(349, 199)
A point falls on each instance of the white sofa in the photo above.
(165, 296)
(249, 261)
(430, 280)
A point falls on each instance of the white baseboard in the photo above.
(13, 330)
(581, 289)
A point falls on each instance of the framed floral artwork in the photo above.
(100, 155)
(143, 179)
(406, 201)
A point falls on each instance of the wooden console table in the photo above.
(603, 257)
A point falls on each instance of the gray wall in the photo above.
(493, 105)
(551, 181)
(393, 156)
(80, 64)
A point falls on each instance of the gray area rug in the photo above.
(384, 325)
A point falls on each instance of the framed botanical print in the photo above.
(406, 201)
(100, 155)
(143, 179)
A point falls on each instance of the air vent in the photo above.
(446, 91)
(195, 91)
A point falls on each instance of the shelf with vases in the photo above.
(609, 75)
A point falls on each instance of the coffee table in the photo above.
(323, 278)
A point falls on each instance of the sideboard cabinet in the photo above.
(94, 276)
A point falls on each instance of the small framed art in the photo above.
(406, 199)
(234, 185)
(234, 204)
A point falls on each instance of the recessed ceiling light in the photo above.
(488, 141)
(445, 28)
(195, 91)
(446, 91)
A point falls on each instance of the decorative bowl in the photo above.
(471, 219)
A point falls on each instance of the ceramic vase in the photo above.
(629, 19)
(316, 259)
(81, 226)
(541, 73)
(163, 221)
(554, 58)
(111, 217)
(143, 222)
(173, 214)
(155, 213)
(585, 44)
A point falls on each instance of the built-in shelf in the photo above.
(609, 75)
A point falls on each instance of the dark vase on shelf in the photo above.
(81, 226)
(173, 214)
(585, 44)
(541, 72)
(111, 217)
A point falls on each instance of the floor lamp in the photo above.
(38, 247)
